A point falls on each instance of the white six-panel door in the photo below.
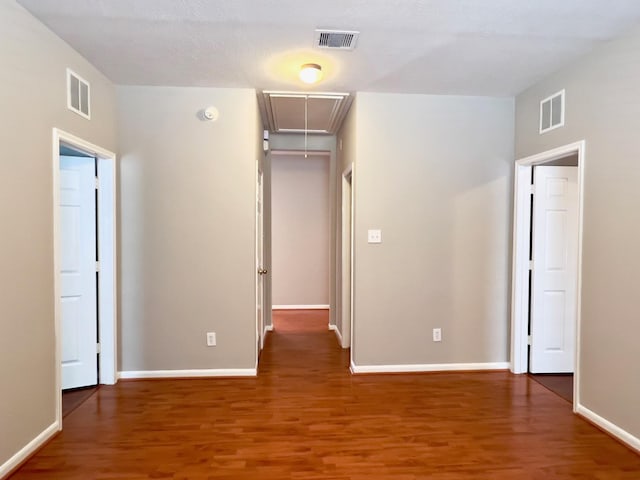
(78, 272)
(555, 263)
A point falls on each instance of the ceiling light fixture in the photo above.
(310, 72)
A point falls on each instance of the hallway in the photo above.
(306, 417)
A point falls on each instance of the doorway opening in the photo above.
(300, 225)
(84, 241)
(547, 253)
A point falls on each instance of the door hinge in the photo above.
(532, 189)
(97, 183)
(529, 340)
(97, 266)
(98, 348)
(530, 264)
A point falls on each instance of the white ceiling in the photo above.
(471, 47)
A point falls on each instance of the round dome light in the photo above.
(310, 72)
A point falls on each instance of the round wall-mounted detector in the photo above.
(211, 114)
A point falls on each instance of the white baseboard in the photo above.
(430, 367)
(268, 328)
(218, 372)
(29, 449)
(300, 307)
(337, 332)
(611, 428)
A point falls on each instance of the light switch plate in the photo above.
(374, 236)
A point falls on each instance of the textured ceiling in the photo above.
(473, 47)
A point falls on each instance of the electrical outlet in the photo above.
(211, 339)
(437, 334)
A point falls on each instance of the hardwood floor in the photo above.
(305, 417)
(72, 399)
(559, 383)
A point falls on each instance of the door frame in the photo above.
(107, 258)
(328, 156)
(520, 264)
(347, 258)
(260, 279)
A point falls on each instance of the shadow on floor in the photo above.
(559, 383)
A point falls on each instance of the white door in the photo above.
(555, 269)
(261, 271)
(78, 272)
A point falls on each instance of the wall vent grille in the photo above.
(552, 112)
(78, 94)
(336, 39)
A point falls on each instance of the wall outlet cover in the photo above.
(437, 334)
(374, 236)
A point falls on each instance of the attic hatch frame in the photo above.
(267, 102)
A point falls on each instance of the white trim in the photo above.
(107, 225)
(609, 427)
(259, 265)
(108, 274)
(347, 249)
(336, 330)
(216, 372)
(315, 153)
(429, 367)
(520, 263)
(29, 449)
(267, 329)
(520, 268)
(300, 307)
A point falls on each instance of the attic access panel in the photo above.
(284, 112)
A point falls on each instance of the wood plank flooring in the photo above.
(72, 399)
(559, 383)
(306, 418)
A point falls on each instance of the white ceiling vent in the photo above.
(78, 94)
(336, 39)
(552, 112)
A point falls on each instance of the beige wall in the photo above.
(301, 229)
(602, 108)
(33, 102)
(187, 228)
(434, 174)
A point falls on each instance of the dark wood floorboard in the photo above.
(72, 399)
(559, 383)
(306, 418)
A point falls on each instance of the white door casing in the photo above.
(347, 253)
(554, 274)
(78, 293)
(260, 270)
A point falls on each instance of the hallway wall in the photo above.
(33, 102)
(301, 230)
(602, 108)
(434, 174)
(187, 189)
